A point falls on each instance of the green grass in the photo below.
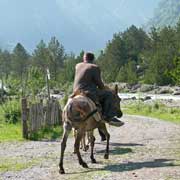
(13, 132)
(11, 129)
(155, 110)
(16, 164)
(50, 133)
(10, 132)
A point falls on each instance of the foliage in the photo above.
(20, 63)
(122, 54)
(10, 132)
(135, 56)
(16, 164)
(131, 56)
(14, 85)
(128, 73)
(159, 61)
(48, 133)
(11, 111)
(57, 57)
(175, 72)
(5, 63)
(35, 81)
(156, 110)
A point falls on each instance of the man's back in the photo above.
(87, 77)
(88, 80)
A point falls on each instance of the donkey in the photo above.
(81, 113)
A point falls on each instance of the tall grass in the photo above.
(11, 128)
(11, 111)
(156, 110)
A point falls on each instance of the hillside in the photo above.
(77, 24)
(167, 13)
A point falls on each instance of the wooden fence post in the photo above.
(24, 118)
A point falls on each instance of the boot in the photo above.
(114, 121)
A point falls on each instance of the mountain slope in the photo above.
(77, 24)
(167, 13)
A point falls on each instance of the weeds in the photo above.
(11, 111)
(48, 133)
(155, 109)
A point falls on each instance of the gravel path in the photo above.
(143, 149)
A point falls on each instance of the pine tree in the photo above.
(57, 56)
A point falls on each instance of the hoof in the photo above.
(61, 171)
(106, 156)
(93, 161)
(84, 165)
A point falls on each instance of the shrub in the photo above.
(11, 111)
(156, 105)
(47, 133)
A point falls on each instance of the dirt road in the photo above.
(143, 149)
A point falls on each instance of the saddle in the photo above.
(81, 96)
(87, 94)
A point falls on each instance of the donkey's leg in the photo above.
(82, 142)
(66, 131)
(75, 136)
(104, 130)
(80, 133)
(92, 140)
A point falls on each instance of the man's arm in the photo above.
(97, 78)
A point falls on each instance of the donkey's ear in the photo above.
(116, 89)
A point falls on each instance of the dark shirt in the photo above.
(87, 77)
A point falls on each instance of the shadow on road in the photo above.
(130, 166)
(121, 144)
(125, 144)
(117, 151)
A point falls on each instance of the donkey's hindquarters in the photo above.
(82, 107)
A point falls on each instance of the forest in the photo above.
(133, 56)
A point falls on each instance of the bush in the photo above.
(11, 111)
(156, 105)
(47, 133)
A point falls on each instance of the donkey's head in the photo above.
(116, 102)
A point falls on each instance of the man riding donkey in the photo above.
(81, 110)
(88, 81)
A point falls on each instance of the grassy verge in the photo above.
(11, 129)
(13, 132)
(10, 132)
(156, 110)
(50, 133)
(16, 164)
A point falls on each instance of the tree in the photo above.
(69, 66)
(175, 72)
(113, 57)
(159, 59)
(57, 56)
(36, 80)
(41, 57)
(5, 67)
(128, 73)
(20, 62)
(135, 41)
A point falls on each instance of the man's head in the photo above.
(88, 57)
